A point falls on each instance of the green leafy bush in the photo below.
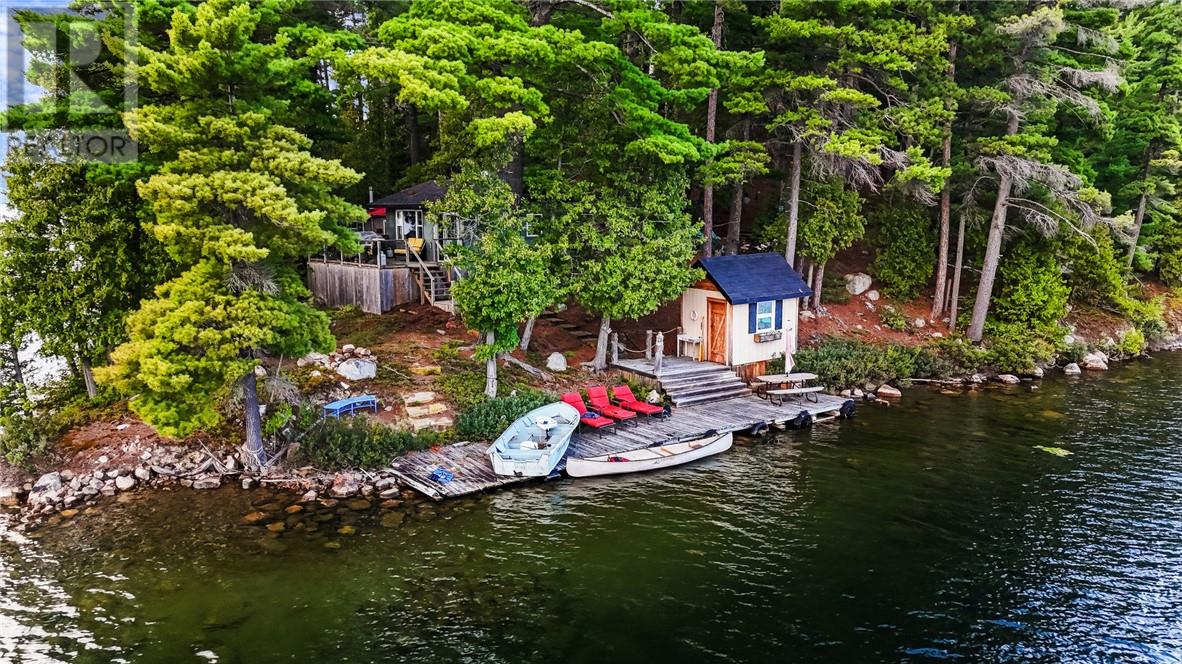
(1132, 343)
(947, 357)
(23, 438)
(1074, 352)
(1032, 291)
(278, 417)
(893, 318)
(905, 247)
(1168, 244)
(358, 442)
(486, 420)
(1017, 348)
(841, 363)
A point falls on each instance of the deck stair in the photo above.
(701, 382)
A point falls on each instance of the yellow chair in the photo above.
(415, 244)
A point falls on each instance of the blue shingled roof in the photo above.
(750, 278)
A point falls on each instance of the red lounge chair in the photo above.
(593, 420)
(625, 398)
(600, 402)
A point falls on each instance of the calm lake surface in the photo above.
(932, 529)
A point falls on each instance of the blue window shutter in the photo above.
(779, 315)
(752, 307)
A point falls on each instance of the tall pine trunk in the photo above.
(954, 295)
(415, 135)
(945, 201)
(605, 329)
(527, 333)
(997, 228)
(88, 377)
(490, 369)
(736, 219)
(711, 123)
(793, 202)
(255, 456)
(818, 282)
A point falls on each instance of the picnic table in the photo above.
(351, 405)
(792, 384)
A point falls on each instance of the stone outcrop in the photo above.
(858, 283)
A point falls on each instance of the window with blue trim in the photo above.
(765, 316)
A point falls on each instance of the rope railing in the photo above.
(654, 347)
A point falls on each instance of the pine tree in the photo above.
(238, 199)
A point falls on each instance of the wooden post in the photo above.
(615, 348)
(659, 353)
(648, 344)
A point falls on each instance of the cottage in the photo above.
(743, 312)
(401, 261)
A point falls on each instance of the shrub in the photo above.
(948, 357)
(905, 250)
(486, 420)
(1017, 348)
(1032, 291)
(1168, 244)
(278, 417)
(1074, 352)
(893, 318)
(1132, 343)
(358, 442)
(841, 363)
(23, 438)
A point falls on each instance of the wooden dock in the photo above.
(473, 471)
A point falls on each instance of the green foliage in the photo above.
(1019, 348)
(831, 222)
(506, 280)
(904, 249)
(1169, 254)
(893, 318)
(487, 420)
(357, 442)
(23, 438)
(1033, 293)
(841, 363)
(277, 418)
(239, 200)
(1132, 343)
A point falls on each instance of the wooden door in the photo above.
(716, 331)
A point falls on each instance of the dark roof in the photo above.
(750, 278)
(415, 196)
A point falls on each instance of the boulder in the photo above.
(46, 490)
(857, 283)
(207, 483)
(872, 295)
(1008, 379)
(889, 391)
(248, 483)
(309, 497)
(807, 315)
(348, 348)
(260, 371)
(357, 369)
(124, 482)
(361, 352)
(427, 370)
(919, 323)
(556, 362)
(1037, 373)
(977, 379)
(345, 485)
(1072, 369)
(1095, 361)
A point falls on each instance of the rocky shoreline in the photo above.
(66, 492)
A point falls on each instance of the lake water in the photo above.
(929, 530)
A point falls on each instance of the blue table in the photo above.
(351, 405)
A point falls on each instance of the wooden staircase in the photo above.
(434, 281)
(701, 382)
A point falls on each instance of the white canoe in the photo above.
(650, 458)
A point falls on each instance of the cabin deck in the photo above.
(473, 472)
(671, 367)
